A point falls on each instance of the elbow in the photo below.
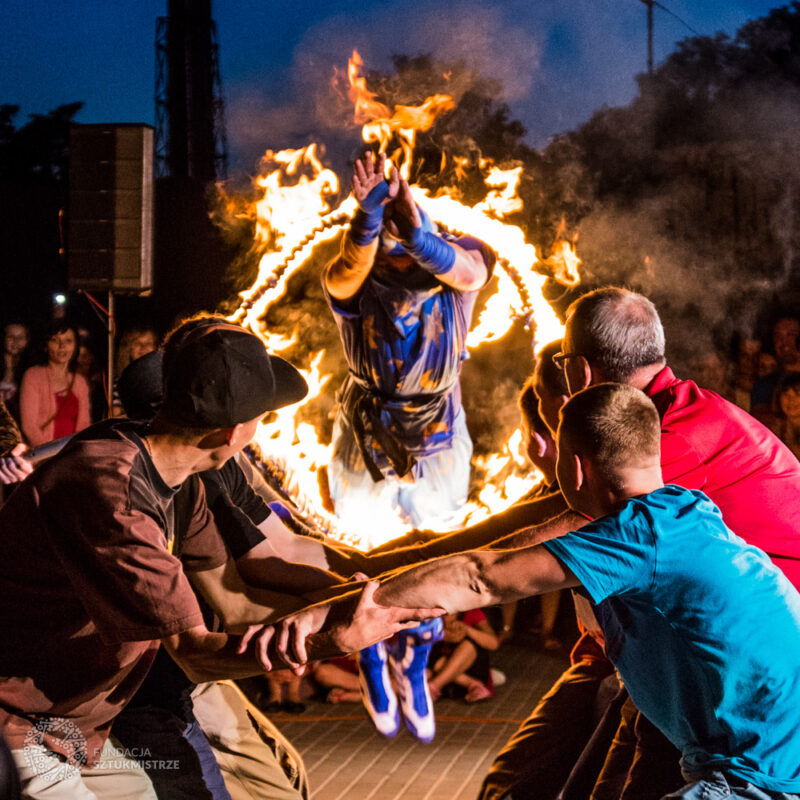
(475, 281)
(477, 578)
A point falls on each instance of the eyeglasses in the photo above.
(559, 359)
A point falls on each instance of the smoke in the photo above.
(711, 289)
(482, 39)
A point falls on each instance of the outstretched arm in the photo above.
(449, 263)
(346, 274)
(520, 525)
(476, 579)
(344, 625)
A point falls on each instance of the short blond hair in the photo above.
(612, 424)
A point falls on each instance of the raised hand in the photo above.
(404, 217)
(370, 187)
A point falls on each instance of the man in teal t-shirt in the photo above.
(702, 627)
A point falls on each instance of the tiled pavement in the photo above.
(347, 760)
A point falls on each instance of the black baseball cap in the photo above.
(141, 387)
(222, 376)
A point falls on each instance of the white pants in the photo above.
(428, 497)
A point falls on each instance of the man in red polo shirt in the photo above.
(708, 444)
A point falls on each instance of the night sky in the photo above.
(558, 60)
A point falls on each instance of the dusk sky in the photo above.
(557, 60)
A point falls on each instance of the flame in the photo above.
(294, 216)
(380, 124)
(563, 261)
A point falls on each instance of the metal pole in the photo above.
(111, 330)
(649, 4)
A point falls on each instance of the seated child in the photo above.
(338, 678)
(703, 628)
(461, 660)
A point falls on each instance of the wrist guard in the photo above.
(368, 219)
(429, 250)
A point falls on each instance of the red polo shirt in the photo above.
(710, 444)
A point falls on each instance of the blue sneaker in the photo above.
(377, 693)
(408, 660)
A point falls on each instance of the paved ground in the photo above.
(348, 760)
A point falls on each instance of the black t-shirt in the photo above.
(238, 510)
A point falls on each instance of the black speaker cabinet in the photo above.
(110, 213)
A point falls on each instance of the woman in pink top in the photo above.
(54, 400)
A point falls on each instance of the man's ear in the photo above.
(233, 433)
(580, 472)
(588, 374)
(579, 374)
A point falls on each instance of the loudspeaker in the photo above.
(110, 212)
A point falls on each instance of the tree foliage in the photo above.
(691, 192)
(39, 150)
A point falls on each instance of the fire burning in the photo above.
(294, 216)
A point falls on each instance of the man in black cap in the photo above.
(89, 585)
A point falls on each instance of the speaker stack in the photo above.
(110, 212)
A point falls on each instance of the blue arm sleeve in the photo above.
(368, 219)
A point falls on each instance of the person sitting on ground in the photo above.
(54, 399)
(660, 573)
(460, 662)
(338, 678)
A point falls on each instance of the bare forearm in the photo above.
(454, 583)
(517, 519)
(475, 579)
(485, 639)
(278, 575)
(215, 656)
(468, 272)
(525, 537)
(258, 606)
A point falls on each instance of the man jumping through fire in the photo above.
(402, 296)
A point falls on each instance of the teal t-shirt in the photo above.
(703, 628)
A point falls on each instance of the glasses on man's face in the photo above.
(560, 359)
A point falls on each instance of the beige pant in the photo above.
(256, 761)
(45, 775)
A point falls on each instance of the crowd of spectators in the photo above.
(54, 384)
(761, 376)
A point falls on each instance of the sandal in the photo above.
(478, 691)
